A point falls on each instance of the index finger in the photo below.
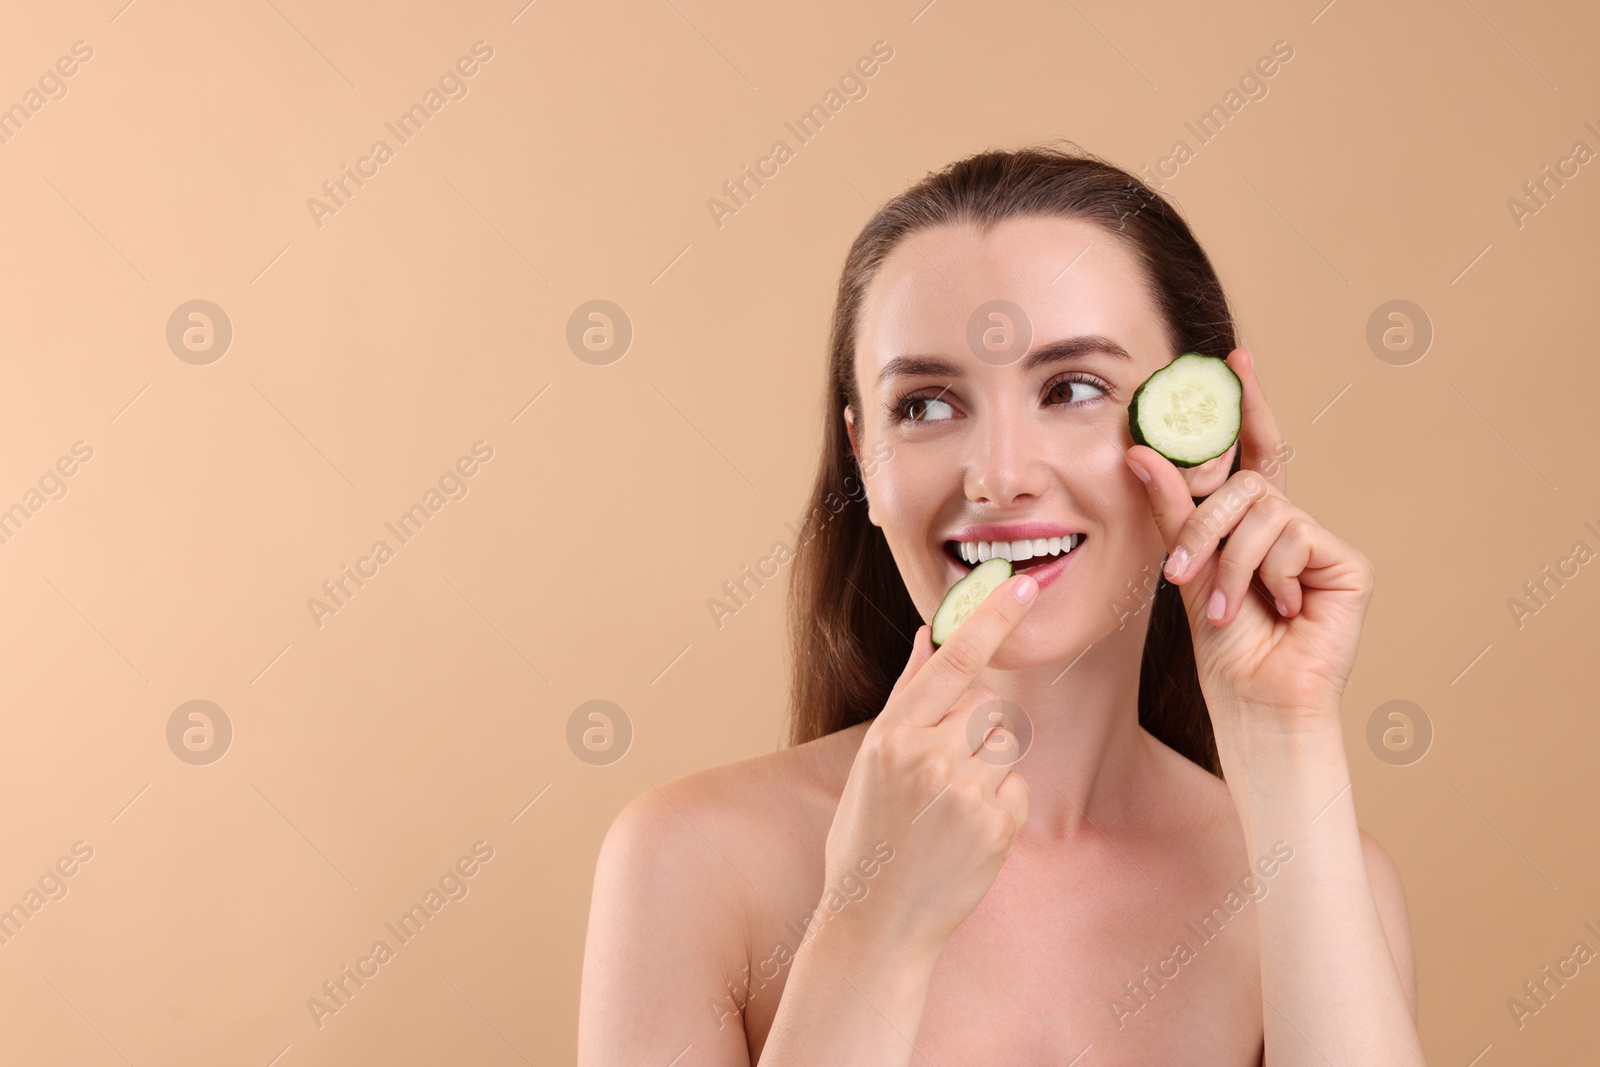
(958, 662)
(1259, 440)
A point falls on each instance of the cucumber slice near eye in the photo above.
(1189, 410)
(965, 596)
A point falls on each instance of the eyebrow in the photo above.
(1068, 348)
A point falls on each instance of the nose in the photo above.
(1007, 464)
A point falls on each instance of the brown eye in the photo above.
(1061, 391)
(924, 409)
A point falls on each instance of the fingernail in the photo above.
(1283, 609)
(1025, 589)
(1217, 606)
(1177, 562)
(1144, 476)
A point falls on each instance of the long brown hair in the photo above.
(851, 620)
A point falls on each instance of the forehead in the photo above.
(927, 289)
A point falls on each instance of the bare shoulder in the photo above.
(676, 896)
(1389, 894)
(700, 836)
(719, 814)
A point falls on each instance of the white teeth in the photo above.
(975, 552)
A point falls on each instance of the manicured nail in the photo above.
(1144, 476)
(1026, 588)
(1218, 605)
(1177, 562)
(1283, 609)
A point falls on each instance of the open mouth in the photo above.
(1023, 555)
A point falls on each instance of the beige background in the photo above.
(428, 313)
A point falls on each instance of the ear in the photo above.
(850, 431)
(1208, 477)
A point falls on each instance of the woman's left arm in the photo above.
(1275, 611)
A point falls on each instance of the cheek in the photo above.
(904, 492)
(1129, 537)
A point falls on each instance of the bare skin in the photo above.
(970, 910)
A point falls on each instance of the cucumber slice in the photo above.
(1189, 410)
(965, 596)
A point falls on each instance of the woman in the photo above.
(1019, 847)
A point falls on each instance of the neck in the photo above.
(1088, 754)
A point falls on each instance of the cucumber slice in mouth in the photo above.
(1189, 410)
(965, 596)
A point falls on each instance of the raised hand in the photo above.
(1276, 611)
(930, 788)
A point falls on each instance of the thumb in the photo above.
(1170, 501)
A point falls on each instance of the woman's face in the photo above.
(995, 375)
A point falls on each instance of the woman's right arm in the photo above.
(929, 813)
(850, 1000)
